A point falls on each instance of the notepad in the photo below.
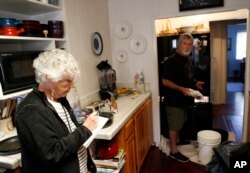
(101, 122)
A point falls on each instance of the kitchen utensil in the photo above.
(9, 22)
(32, 28)
(44, 30)
(10, 146)
(4, 113)
(108, 115)
(107, 76)
(11, 106)
(107, 149)
(11, 31)
(55, 29)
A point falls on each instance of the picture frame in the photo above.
(185, 5)
(229, 44)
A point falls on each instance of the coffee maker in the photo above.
(107, 80)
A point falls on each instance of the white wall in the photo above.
(141, 15)
(83, 18)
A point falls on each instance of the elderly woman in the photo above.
(50, 137)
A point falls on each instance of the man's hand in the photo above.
(199, 85)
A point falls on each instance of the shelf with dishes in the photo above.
(31, 43)
(4, 38)
(31, 25)
(28, 7)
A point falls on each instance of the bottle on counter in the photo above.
(137, 78)
(141, 77)
(139, 82)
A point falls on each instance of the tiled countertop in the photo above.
(127, 105)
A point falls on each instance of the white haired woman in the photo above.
(50, 137)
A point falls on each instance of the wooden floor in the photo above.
(228, 117)
(157, 162)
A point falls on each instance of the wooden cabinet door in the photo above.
(149, 124)
(140, 136)
(130, 149)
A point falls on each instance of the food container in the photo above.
(9, 22)
(11, 31)
(32, 28)
(107, 149)
(55, 29)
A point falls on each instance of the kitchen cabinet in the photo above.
(31, 10)
(130, 146)
(149, 124)
(136, 137)
(143, 131)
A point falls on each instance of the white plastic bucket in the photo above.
(207, 140)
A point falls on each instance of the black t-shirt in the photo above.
(179, 70)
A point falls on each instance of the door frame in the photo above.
(246, 114)
(246, 118)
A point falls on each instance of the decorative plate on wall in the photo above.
(138, 44)
(96, 43)
(122, 56)
(123, 29)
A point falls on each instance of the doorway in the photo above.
(218, 73)
(236, 53)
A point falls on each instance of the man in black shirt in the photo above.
(179, 79)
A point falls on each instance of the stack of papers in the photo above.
(110, 165)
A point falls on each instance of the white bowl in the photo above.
(187, 29)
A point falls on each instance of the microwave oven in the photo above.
(17, 74)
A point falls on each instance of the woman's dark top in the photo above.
(47, 146)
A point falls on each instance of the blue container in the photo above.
(9, 22)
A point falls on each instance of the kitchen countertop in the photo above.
(127, 105)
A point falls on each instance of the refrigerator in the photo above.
(199, 115)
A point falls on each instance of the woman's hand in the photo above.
(91, 121)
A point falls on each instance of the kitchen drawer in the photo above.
(129, 128)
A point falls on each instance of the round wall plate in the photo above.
(96, 43)
(122, 56)
(138, 44)
(123, 29)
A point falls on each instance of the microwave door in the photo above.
(17, 72)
